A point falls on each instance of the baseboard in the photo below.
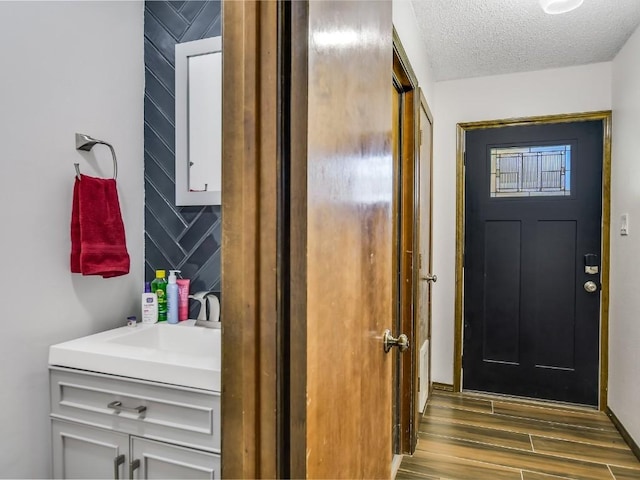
(395, 465)
(443, 387)
(623, 431)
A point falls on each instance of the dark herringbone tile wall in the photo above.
(183, 238)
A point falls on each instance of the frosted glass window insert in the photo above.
(531, 171)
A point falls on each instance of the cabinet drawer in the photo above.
(174, 414)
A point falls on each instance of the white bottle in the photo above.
(172, 297)
(149, 305)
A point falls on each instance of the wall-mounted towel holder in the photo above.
(86, 143)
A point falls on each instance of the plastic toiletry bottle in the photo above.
(159, 287)
(172, 297)
(149, 305)
(183, 298)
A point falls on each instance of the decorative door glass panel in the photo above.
(531, 171)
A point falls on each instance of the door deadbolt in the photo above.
(590, 286)
(402, 342)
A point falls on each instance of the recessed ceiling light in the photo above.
(555, 7)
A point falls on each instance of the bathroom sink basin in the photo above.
(180, 354)
(167, 338)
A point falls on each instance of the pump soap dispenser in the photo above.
(172, 297)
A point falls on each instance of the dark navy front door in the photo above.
(533, 202)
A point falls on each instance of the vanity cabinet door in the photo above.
(84, 452)
(163, 460)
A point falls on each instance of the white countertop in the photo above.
(181, 354)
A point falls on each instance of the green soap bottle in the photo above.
(159, 287)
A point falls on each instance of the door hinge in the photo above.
(464, 158)
(418, 384)
(419, 261)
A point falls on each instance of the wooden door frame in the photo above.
(250, 190)
(410, 158)
(462, 128)
(263, 409)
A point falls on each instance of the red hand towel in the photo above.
(98, 245)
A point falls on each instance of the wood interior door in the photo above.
(426, 278)
(340, 235)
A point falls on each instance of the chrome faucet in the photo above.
(208, 302)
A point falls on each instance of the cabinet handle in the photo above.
(119, 460)
(132, 467)
(118, 407)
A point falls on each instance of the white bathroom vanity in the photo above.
(137, 402)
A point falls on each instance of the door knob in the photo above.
(402, 342)
(590, 286)
(430, 278)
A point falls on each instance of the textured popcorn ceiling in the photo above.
(471, 38)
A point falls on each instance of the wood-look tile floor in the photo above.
(473, 437)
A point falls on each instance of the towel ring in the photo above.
(86, 143)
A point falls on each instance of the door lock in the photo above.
(590, 286)
(591, 264)
(402, 342)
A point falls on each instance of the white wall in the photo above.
(565, 90)
(404, 19)
(66, 67)
(624, 320)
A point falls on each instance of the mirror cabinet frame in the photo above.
(184, 51)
